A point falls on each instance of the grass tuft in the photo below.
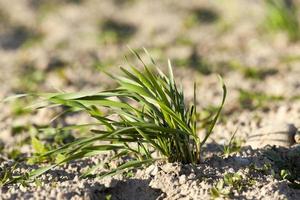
(147, 119)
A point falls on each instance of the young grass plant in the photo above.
(234, 145)
(147, 119)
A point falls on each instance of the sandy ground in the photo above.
(61, 45)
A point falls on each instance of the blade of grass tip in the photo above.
(170, 71)
(148, 54)
(158, 87)
(218, 112)
(232, 136)
(160, 72)
(14, 97)
(227, 147)
(137, 55)
(131, 76)
(57, 89)
(41, 105)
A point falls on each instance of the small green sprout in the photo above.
(231, 181)
(219, 190)
(233, 146)
(285, 174)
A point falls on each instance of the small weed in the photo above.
(282, 15)
(230, 183)
(219, 190)
(128, 174)
(285, 174)
(234, 180)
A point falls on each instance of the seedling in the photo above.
(219, 190)
(147, 119)
(285, 174)
(234, 145)
(230, 182)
